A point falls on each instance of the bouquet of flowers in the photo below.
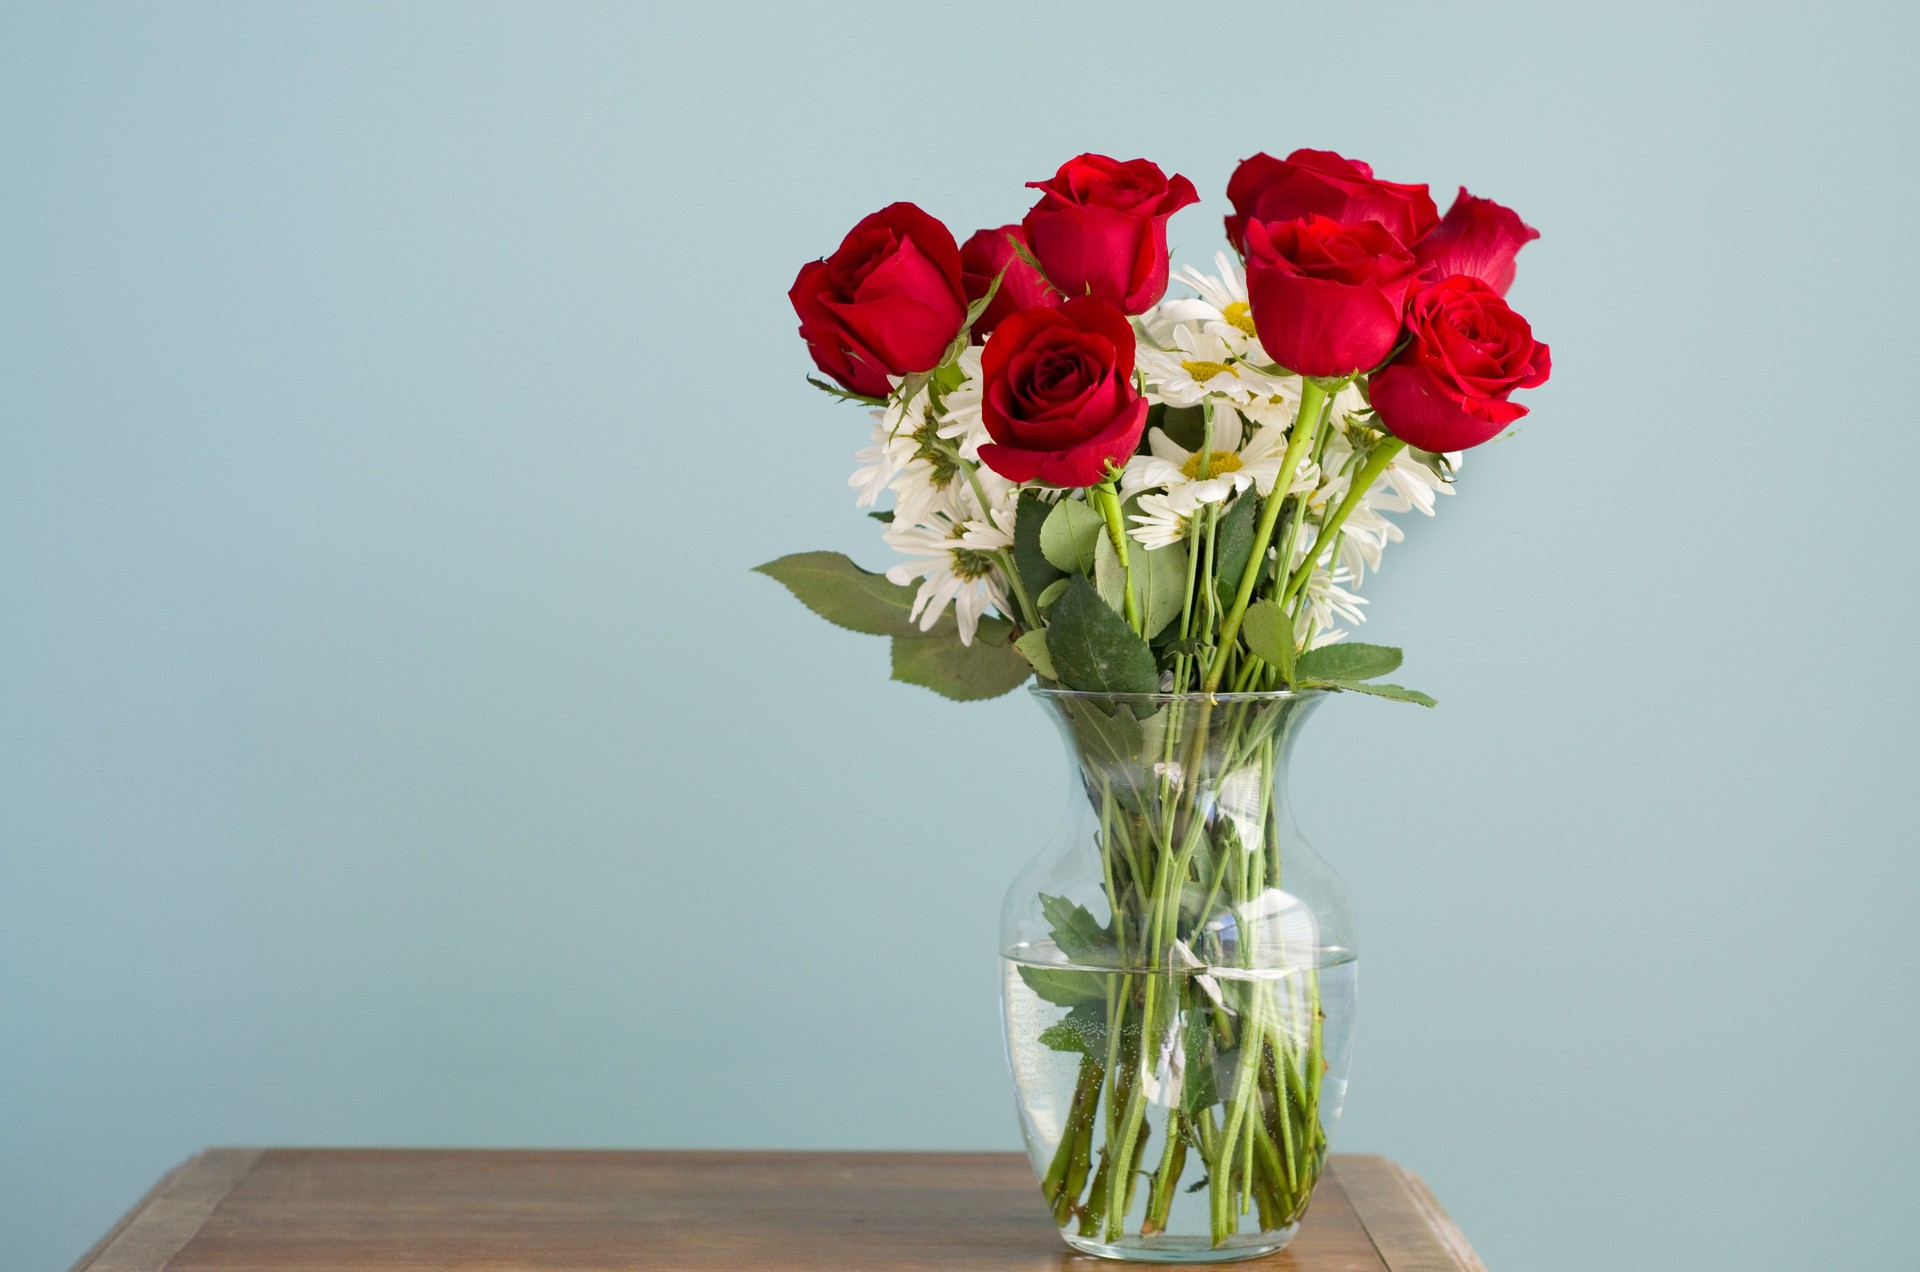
(1164, 509)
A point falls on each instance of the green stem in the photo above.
(1381, 456)
(1306, 425)
(1117, 533)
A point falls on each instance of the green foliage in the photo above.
(1184, 426)
(1398, 693)
(1084, 1029)
(1102, 736)
(1347, 660)
(1233, 544)
(987, 668)
(884, 516)
(1069, 534)
(845, 395)
(1052, 592)
(1076, 932)
(1108, 578)
(1030, 514)
(1093, 648)
(1160, 581)
(1064, 987)
(1269, 633)
(842, 593)
(1033, 647)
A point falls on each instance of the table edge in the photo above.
(170, 1214)
(1410, 1230)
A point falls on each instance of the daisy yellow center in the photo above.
(1240, 314)
(1217, 463)
(970, 563)
(1204, 371)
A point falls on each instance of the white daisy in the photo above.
(960, 421)
(954, 561)
(1164, 519)
(1327, 600)
(1236, 462)
(1201, 363)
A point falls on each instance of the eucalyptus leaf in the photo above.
(1269, 633)
(1068, 536)
(1347, 660)
(1093, 648)
(1030, 514)
(841, 592)
(1033, 647)
(987, 668)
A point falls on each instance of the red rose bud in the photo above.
(1321, 183)
(982, 257)
(1478, 238)
(1326, 297)
(1059, 400)
(1100, 229)
(1448, 390)
(887, 302)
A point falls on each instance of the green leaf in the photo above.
(987, 668)
(1051, 592)
(1076, 932)
(1035, 570)
(1160, 583)
(1397, 693)
(979, 306)
(1347, 660)
(1233, 545)
(1068, 536)
(841, 592)
(1104, 737)
(1033, 647)
(845, 395)
(1108, 578)
(1064, 987)
(1269, 633)
(1033, 263)
(1184, 426)
(1084, 1029)
(1093, 648)
(884, 515)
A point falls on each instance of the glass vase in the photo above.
(1178, 981)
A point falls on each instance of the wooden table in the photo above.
(307, 1209)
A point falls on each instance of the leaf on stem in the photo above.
(987, 668)
(1030, 514)
(1233, 545)
(1076, 932)
(1064, 987)
(1068, 536)
(1084, 1029)
(1269, 633)
(842, 593)
(845, 395)
(1093, 648)
(1160, 582)
(1033, 647)
(1347, 661)
(1397, 693)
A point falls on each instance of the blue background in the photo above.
(394, 748)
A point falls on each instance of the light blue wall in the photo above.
(394, 748)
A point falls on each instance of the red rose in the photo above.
(1059, 402)
(1320, 183)
(1478, 238)
(888, 302)
(982, 257)
(1100, 229)
(1326, 297)
(1448, 390)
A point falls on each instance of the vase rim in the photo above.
(1267, 695)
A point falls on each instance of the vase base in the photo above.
(1195, 1249)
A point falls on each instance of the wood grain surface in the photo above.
(427, 1210)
